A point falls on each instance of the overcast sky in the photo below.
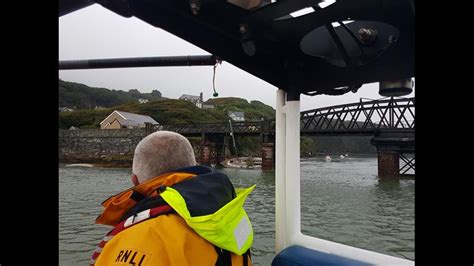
(95, 32)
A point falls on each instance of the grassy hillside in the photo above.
(79, 96)
(165, 111)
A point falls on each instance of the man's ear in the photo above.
(135, 180)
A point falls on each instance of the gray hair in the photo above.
(161, 152)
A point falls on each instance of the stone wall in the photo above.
(111, 147)
(115, 147)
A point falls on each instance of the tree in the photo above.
(134, 91)
(306, 146)
(156, 93)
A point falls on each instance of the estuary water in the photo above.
(341, 201)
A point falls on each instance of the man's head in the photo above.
(161, 152)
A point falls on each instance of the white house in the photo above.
(142, 100)
(197, 100)
(120, 119)
(237, 116)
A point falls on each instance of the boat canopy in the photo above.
(300, 46)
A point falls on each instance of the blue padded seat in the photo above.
(298, 255)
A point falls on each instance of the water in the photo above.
(342, 201)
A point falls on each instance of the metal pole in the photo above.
(233, 138)
(161, 61)
(293, 209)
(280, 171)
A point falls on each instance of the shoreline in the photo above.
(93, 162)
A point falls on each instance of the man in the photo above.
(176, 214)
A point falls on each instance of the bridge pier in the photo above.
(205, 154)
(390, 144)
(212, 149)
(388, 164)
(268, 156)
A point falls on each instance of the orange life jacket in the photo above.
(148, 232)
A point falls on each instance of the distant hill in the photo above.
(79, 96)
(164, 111)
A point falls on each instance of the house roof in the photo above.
(238, 114)
(133, 119)
(187, 96)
